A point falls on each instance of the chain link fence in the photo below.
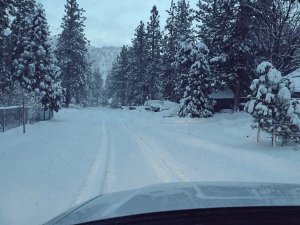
(12, 117)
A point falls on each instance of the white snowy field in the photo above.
(84, 152)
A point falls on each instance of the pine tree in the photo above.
(182, 32)
(276, 25)
(168, 55)
(118, 86)
(183, 62)
(196, 101)
(154, 67)
(263, 104)
(6, 10)
(36, 67)
(72, 54)
(137, 93)
(227, 28)
(122, 78)
(43, 63)
(178, 29)
(271, 105)
(21, 40)
(110, 83)
(290, 130)
(96, 87)
(183, 21)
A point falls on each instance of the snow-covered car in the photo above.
(159, 105)
(192, 203)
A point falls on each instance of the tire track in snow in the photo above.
(99, 175)
(160, 164)
(109, 177)
(175, 170)
(253, 163)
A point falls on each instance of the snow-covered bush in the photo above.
(271, 104)
(196, 101)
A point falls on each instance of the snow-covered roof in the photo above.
(295, 73)
(226, 94)
(10, 107)
(295, 78)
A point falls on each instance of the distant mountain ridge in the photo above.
(103, 58)
(100, 57)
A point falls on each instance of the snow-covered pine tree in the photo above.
(21, 41)
(290, 131)
(183, 62)
(36, 67)
(96, 87)
(276, 24)
(117, 82)
(196, 101)
(262, 105)
(72, 54)
(138, 62)
(43, 64)
(6, 10)
(271, 105)
(168, 55)
(109, 88)
(115, 85)
(288, 116)
(122, 78)
(184, 17)
(154, 67)
(226, 27)
(183, 31)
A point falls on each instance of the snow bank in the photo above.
(82, 153)
(73, 106)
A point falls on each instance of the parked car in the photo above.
(159, 105)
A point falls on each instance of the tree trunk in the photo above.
(258, 133)
(237, 97)
(68, 99)
(273, 139)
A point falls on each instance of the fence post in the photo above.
(23, 105)
(273, 139)
(274, 136)
(258, 133)
(19, 110)
(2, 120)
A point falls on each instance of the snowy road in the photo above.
(85, 152)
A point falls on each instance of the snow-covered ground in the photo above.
(85, 152)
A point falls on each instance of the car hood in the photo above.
(181, 196)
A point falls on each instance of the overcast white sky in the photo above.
(109, 22)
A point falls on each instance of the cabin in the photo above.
(224, 100)
(296, 88)
(295, 79)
